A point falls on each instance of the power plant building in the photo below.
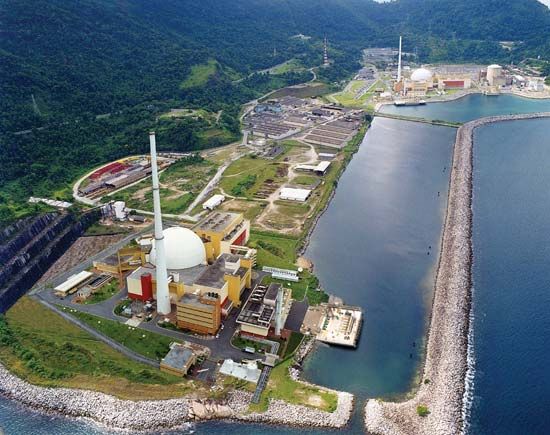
(495, 76)
(220, 231)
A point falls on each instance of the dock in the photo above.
(334, 324)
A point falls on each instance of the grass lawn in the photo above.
(250, 209)
(103, 293)
(41, 347)
(273, 250)
(304, 180)
(293, 343)
(200, 74)
(241, 343)
(281, 386)
(149, 344)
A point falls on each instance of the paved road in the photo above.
(220, 347)
(124, 350)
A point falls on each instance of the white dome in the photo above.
(184, 249)
(421, 75)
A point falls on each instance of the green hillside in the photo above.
(90, 78)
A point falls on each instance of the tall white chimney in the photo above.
(399, 62)
(279, 312)
(163, 294)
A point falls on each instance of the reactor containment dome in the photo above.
(421, 75)
(184, 249)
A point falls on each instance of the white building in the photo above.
(213, 202)
(292, 194)
(495, 77)
(248, 372)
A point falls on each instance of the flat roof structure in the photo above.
(217, 221)
(248, 372)
(255, 311)
(213, 275)
(341, 325)
(320, 167)
(179, 359)
(293, 194)
(73, 281)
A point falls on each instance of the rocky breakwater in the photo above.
(283, 413)
(102, 408)
(443, 382)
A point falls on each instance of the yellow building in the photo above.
(178, 360)
(222, 230)
(199, 313)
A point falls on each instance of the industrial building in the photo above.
(213, 202)
(178, 360)
(199, 313)
(495, 75)
(320, 168)
(266, 309)
(247, 372)
(220, 231)
(70, 285)
(293, 194)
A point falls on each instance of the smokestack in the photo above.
(399, 62)
(279, 312)
(163, 294)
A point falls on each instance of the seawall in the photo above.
(443, 381)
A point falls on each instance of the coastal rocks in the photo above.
(102, 408)
(279, 412)
(207, 410)
(443, 383)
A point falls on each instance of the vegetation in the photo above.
(98, 229)
(273, 249)
(422, 410)
(75, 104)
(281, 386)
(43, 348)
(103, 293)
(242, 342)
(148, 344)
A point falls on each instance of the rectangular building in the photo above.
(199, 313)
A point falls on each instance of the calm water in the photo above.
(370, 247)
(472, 107)
(512, 279)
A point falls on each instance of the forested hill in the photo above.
(99, 55)
(90, 77)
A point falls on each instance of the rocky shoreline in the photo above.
(443, 381)
(155, 415)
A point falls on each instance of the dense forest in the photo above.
(82, 82)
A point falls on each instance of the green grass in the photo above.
(241, 343)
(288, 66)
(184, 180)
(200, 74)
(41, 347)
(304, 180)
(281, 386)
(103, 293)
(274, 250)
(293, 342)
(245, 176)
(148, 344)
(292, 209)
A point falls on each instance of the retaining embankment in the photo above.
(443, 381)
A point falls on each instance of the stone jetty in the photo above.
(443, 381)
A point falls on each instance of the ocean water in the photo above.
(472, 107)
(511, 272)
